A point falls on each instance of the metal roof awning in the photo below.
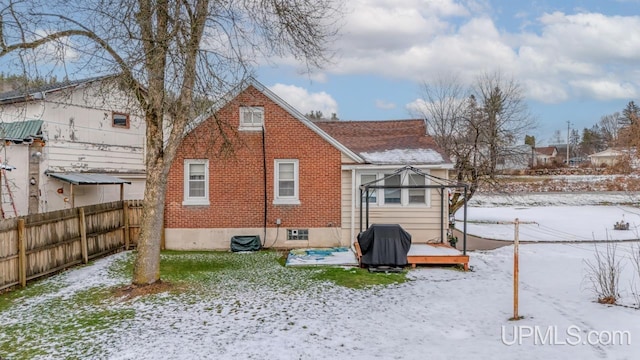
(76, 178)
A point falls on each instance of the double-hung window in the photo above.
(417, 196)
(286, 182)
(391, 195)
(251, 117)
(373, 193)
(196, 182)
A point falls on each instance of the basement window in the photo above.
(297, 234)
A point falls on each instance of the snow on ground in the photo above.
(555, 199)
(440, 314)
(553, 217)
(553, 223)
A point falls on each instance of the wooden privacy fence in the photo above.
(34, 246)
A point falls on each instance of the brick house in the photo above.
(291, 181)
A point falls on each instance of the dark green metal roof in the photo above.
(77, 178)
(21, 130)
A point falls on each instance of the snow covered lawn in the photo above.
(553, 217)
(262, 310)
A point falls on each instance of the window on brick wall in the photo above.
(196, 182)
(251, 117)
(286, 182)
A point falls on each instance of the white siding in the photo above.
(17, 179)
(422, 222)
(79, 136)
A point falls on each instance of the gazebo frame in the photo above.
(442, 185)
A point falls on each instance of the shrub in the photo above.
(603, 274)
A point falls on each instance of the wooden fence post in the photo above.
(83, 237)
(125, 216)
(22, 254)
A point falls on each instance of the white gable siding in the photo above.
(79, 137)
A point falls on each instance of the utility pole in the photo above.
(568, 131)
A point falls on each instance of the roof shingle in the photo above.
(392, 141)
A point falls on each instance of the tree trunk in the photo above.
(147, 265)
(146, 269)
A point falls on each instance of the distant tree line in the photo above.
(11, 82)
(318, 115)
(620, 129)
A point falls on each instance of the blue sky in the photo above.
(576, 60)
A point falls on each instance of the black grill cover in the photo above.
(245, 243)
(384, 245)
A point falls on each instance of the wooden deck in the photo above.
(430, 254)
(437, 254)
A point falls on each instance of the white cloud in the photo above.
(417, 107)
(557, 56)
(304, 101)
(604, 89)
(52, 52)
(385, 105)
(586, 55)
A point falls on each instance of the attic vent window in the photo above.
(298, 234)
(251, 117)
(120, 120)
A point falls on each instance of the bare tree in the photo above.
(477, 125)
(172, 55)
(609, 127)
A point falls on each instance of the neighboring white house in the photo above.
(545, 155)
(72, 144)
(608, 157)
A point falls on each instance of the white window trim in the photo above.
(359, 180)
(195, 200)
(286, 200)
(427, 194)
(404, 195)
(250, 127)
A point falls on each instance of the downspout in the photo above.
(464, 233)
(264, 178)
(441, 214)
(353, 206)
(366, 189)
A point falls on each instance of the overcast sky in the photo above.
(576, 60)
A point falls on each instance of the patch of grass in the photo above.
(55, 323)
(188, 267)
(357, 278)
(53, 318)
(32, 290)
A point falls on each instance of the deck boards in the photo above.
(431, 254)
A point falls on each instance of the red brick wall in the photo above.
(236, 182)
